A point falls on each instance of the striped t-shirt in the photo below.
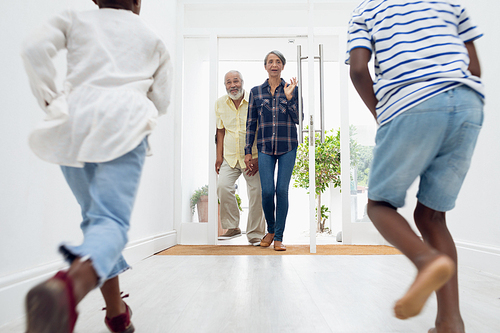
(418, 49)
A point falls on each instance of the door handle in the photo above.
(321, 93)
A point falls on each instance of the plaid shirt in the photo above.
(276, 119)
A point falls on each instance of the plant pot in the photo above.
(202, 207)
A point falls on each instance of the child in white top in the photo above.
(96, 128)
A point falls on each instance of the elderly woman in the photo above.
(273, 115)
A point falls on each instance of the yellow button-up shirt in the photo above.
(234, 121)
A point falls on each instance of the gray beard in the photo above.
(237, 96)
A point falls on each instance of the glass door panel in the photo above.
(247, 56)
(195, 138)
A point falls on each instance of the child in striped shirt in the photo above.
(427, 97)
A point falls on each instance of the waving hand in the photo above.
(290, 87)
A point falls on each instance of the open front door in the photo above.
(208, 55)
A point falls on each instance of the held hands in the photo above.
(290, 87)
(255, 167)
(251, 165)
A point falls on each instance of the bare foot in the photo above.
(430, 278)
(432, 330)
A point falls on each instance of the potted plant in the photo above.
(327, 168)
(327, 158)
(200, 200)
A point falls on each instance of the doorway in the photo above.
(223, 42)
(246, 54)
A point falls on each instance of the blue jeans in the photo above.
(106, 193)
(434, 140)
(267, 166)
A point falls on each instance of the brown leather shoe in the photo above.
(278, 246)
(267, 240)
(254, 241)
(230, 233)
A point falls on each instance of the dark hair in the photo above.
(116, 2)
(278, 54)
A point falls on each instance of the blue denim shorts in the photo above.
(434, 141)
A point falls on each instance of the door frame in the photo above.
(310, 31)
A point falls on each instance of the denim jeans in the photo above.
(106, 193)
(434, 140)
(267, 167)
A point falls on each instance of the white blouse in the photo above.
(117, 83)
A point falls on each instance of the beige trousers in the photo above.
(229, 213)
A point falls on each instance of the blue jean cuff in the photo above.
(71, 253)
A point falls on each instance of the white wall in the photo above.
(37, 209)
(475, 221)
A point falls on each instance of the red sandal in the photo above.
(51, 306)
(121, 323)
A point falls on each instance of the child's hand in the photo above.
(290, 87)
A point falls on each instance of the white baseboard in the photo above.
(480, 257)
(194, 233)
(365, 233)
(14, 287)
(138, 250)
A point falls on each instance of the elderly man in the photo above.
(231, 114)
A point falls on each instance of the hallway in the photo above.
(340, 294)
(303, 294)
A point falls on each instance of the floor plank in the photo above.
(341, 294)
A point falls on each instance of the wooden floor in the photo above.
(341, 294)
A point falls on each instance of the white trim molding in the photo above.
(143, 248)
(481, 257)
(14, 287)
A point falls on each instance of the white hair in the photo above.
(235, 71)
